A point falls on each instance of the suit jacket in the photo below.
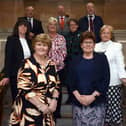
(66, 28)
(113, 51)
(37, 26)
(98, 23)
(13, 56)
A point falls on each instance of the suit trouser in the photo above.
(61, 74)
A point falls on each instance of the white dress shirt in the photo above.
(26, 50)
(115, 57)
(61, 17)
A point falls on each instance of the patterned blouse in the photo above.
(58, 51)
(34, 80)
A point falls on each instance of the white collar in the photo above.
(106, 43)
(93, 16)
(61, 16)
(102, 46)
(30, 18)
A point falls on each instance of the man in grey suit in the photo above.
(62, 18)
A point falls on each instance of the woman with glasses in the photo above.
(89, 79)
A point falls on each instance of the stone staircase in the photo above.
(66, 110)
(3, 37)
(120, 35)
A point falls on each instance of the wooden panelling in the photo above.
(112, 11)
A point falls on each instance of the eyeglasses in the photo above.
(88, 42)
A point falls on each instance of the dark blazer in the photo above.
(98, 80)
(98, 23)
(37, 26)
(73, 44)
(13, 56)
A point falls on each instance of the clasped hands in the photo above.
(48, 108)
(87, 99)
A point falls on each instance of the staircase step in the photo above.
(66, 111)
(64, 98)
(67, 115)
(64, 122)
(64, 90)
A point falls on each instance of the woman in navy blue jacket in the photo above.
(89, 79)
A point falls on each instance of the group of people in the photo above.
(80, 54)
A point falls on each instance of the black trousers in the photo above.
(57, 113)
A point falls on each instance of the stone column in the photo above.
(2, 50)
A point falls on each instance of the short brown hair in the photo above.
(74, 20)
(43, 38)
(87, 35)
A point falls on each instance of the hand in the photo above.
(53, 105)
(82, 99)
(43, 108)
(31, 35)
(89, 99)
(86, 99)
(96, 93)
(4, 81)
(124, 81)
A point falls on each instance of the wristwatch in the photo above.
(55, 98)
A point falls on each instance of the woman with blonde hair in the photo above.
(113, 51)
(58, 50)
(57, 53)
(38, 88)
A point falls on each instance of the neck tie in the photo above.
(91, 24)
(62, 22)
(29, 21)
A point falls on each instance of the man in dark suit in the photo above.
(91, 22)
(34, 24)
(62, 18)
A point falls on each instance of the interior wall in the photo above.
(112, 11)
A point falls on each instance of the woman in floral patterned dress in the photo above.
(57, 53)
(38, 88)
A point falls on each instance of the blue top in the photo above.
(89, 75)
